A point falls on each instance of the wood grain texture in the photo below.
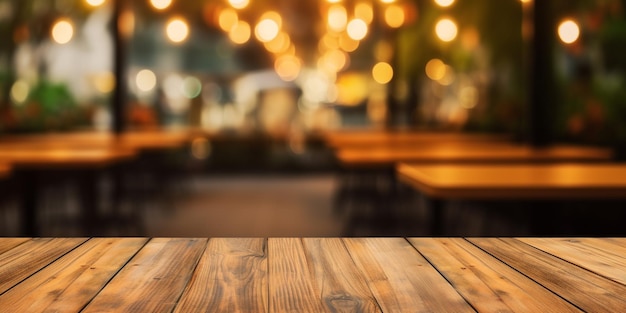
(70, 282)
(486, 283)
(29, 257)
(153, 280)
(7, 244)
(342, 287)
(598, 255)
(586, 290)
(230, 277)
(401, 279)
(290, 282)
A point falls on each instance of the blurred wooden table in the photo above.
(514, 182)
(381, 157)
(409, 138)
(312, 274)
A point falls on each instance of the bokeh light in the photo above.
(357, 29)
(435, 69)
(177, 30)
(20, 91)
(145, 80)
(95, 3)
(446, 29)
(394, 16)
(364, 11)
(337, 18)
(279, 44)
(227, 19)
(569, 31)
(382, 72)
(266, 30)
(240, 33)
(288, 67)
(239, 4)
(192, 87)
(62, 32)
(444, 3)
(161, 4)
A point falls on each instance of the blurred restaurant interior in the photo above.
(312, 118)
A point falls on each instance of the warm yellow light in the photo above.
(446, 30)
(329, 41)
(569, 31)
(288, 67)
(364, 11)
(394, 16)
(145, 80)
(387, 1)
(240, 33)
(435, 69)
(348, 44)
(280, 44)
(20, 91)
(335, 60)
(266, 30)
(161, 4)
(62, 32)
(104, 82)
(177, 30)
(239, 4)
(127, 23)
(448, 77)
(357, 29)
(444, 3)
(227, 19)
(95, 3)
(382, 73)
(333, 1)
(337, 18)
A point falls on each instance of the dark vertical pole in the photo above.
(542, 100)
(119, 94)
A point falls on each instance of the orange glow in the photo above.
(364, 11)
(239, 4)
(394, 16)
(444, 3)
(227, 19)
(240, 33)
(288, 67)
(348, 44)
(382, 73)
(95, 3)
(280, 44)
(435, 69)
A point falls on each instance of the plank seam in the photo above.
(195, 267)
(361, 275)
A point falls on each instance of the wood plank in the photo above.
(31, 256)
(586, 290)
(608, 260)
(231, 277)
(401, 279)
(7, 244)
(153, 280)
(342, 286)
(70, 282)
(290, 282)
(485, 282)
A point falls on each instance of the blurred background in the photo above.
(256, 85)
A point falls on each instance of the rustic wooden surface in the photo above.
(312, 275)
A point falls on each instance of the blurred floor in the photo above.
(250, 206)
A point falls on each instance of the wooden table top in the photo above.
(372, 138)
(313, 274)
(517, 181)
(133, 140)
(41, 157)
(484, 152)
